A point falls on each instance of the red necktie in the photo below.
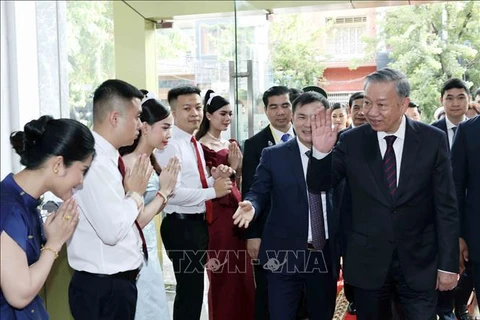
(203, 179)
(123, 171)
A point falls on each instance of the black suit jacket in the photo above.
(280, 183)
(466, 174)
(252, 151)
(424, 206)
(442, 125)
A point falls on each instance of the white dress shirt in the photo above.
(277, 134)
(189, 195)
(397, 145)
(106, 240)
(450, 132)
(303, 149)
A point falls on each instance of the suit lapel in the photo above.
(409, 157)
(443, 126)
(375, 163)
(296, 165)
(269, 139)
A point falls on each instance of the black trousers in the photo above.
(261, 293)
(261, 297)
(186, 242)
(348, 290)
(95, 298)
(377, 304)
(313, 281)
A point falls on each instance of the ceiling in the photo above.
(166, 10)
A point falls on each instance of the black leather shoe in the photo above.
(351, 308)
(464, 316)
(462, 313)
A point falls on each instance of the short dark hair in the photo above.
(294, 93)
(355, 96)
(477, 93)
(108, 90)
(453, 83)
(316, 89)
(182, 90)
(309, 97)
(402, 86)
(412, 104)
(274, 91)
(47, 137)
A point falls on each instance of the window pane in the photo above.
(91, 53)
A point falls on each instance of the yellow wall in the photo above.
(55, 291)
(135, 59)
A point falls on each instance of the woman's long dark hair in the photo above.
(152, 112)
(47, 137)
(216, 103)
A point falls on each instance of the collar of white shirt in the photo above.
(303, 149)
(178, 133)
(104, 147)
(450, 124)
(400, 133)
(278, 134)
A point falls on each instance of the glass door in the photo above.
(250, 74)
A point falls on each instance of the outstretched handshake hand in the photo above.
(244, 214)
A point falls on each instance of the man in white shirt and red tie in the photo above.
(185, 227)
(106, 248)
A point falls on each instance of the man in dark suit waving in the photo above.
(300, 241)
(466, 174)
(403, 199)
(278, 108)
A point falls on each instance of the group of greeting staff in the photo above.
(411, 224)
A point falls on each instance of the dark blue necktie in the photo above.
(390, 165)
(285, 137)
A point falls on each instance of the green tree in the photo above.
(91, 52)
(293, 45)
(173, 43)
(431, 43)
(295, 51)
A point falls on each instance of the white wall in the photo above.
(34, 77)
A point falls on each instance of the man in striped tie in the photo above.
(403, 198)
(299, 246)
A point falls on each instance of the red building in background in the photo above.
(345, 47)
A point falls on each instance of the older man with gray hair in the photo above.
(403, 199)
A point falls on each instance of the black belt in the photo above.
(186, 216)
(131, 275)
